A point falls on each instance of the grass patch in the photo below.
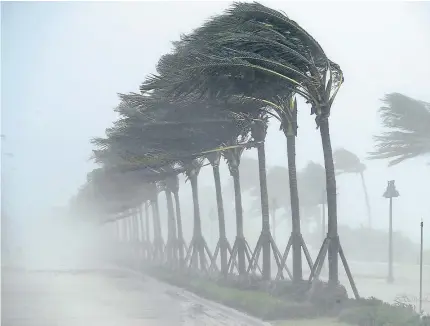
(256, 303)
(287, 310)
(311, 322)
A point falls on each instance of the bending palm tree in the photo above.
(240, 247)
(409, 136)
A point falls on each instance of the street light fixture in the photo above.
(391, 192)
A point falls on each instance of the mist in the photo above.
(63, 65)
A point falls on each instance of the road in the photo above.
(105, 298)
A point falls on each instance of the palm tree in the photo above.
(409, 135)
(265, 241)
(223, 245)
(198, 244)
(173, 186)
(172, 241)
(347, 162)
(240, 248)
(277, 177)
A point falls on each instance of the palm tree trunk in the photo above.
(264, 197)
(221, 219)
(130, 229)
(332, 233)
(239, 220)
(273, 224)
(156, 219)
(366, 197)
(148, 239)
(197, 234)
(179, 226)
(135, 233)
(141, 224)
(171, 225)
(158, 238)
(295, 210)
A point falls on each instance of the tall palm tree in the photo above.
(277, 178)
(198, 246)
(258, 133)
(409, 135)
(347, 162)
(223, 245)
(172, 241)
(173, 185)
(240, 248)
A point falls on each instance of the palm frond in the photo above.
(409, 137)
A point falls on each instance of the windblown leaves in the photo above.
(408, 121)
(250, 51)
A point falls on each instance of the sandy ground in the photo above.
(96, 298)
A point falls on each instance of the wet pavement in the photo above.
(112, 297)
(105, 298)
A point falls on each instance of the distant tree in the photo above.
(248, 176)
(277, 182)
(279, 192)
(312, 182)
(347, 162)
(409, 135)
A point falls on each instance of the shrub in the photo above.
(258, 303)
(374, 312)
(330, 300)
(325, 299)
(272, 300)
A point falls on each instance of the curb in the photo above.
(247, 319)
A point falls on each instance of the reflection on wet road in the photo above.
(98, 298)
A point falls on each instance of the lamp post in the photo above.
(390, 193)
(421, 266)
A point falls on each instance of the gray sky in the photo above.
(64, 62)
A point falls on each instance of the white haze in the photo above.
(59, 242)
(64, 63)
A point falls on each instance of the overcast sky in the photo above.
(64, 62)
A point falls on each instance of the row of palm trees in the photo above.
(212, 98)
(234, 72)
